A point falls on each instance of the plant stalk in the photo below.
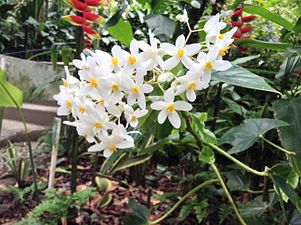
(197, 188)
(215, 169)
(290, 153)
(74, 160)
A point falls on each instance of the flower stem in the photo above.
(227, 155)
(277, 146)
(213, 166)
(197, 188)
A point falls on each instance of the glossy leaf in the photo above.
(9, 91)
(136, 160)
(253, 43)
(122, 31)
(115, 18)
(207, 155)
(234, 106)
(103, 184)
(274, 17)
(245, 135)
(205, 135)
(106, 200)
(241, 77)
(297, 27)
(242, 60)
(139, 214)
(162, 26)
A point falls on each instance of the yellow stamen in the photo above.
(68, 103)
(208, 65)
(115, 87)
(221, 36)
(112, 148)
(85, 67)
(102, 102)
(93, 82)
(224, 51)
(134, 118)
(180, 52)
(115, 61)
(82, 109)
(135, 89)
(170, 108)
(98, 125)
(66, 83)
(132, 59)
(192, 85)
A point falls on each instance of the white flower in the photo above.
(195, 4)
(164, 77)
(132, 116)
(190, 83)
(119, 139)
(179, 52)
(82, 64)
(183, 18)
(224, 42)
(212, 28)
(151, 55)
(65, 101)
(168, 108)
(70, 82)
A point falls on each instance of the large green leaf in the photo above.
(241, 77)
(9, 91)
(139, 214)
(290, 136)
(297, 27)
(274, 17)
(122, 31)
(245, 135)
(248, 43)
(162, 26)
(136, 160)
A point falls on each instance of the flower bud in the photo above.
(195, 4)
(236, 24)
(237, 12)
(164, 77)
(78, 5)
(247, 18)
(92, 2)
(237, 35)
(75, 20)
(92, 16)
(90, 32)
(245, 29)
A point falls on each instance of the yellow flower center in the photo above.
(102, 102)
(68, 103)
(224, 51)
(132, 59)
(180, 52)
(115, 61)
(115, 87)
(82, 109)
(208, 65)
(135, 89)
(221, 36)
(134, 118)
(93, 82)
(112, 148)
(85, 67)
(98, 125)
(66, 83)
(192, 85)
(170, 108)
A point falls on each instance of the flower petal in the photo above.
(171, 63)
(183, 106)
(180, 42)
(192, 49)
(169, 95)
(191, 96)
(158, 105)
(162, 117)
(174, 119)
(221, 65)
(169, 48)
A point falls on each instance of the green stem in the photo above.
(228, 194)
(1, 117)
(27, 139)
(227, 155)
(197, 188)
(256, 192)
(74, 161)
(277, 147)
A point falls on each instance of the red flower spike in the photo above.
(247, 37)
(78, 5)
(236, 24)
(237, 35)
(75, 20)
(92, 16)
(237, 12)
(90, 32)
(245, 29)
(92, 2)
(240, 49)
(247, 18)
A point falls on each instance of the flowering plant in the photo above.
(115, 87)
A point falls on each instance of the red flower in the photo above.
(242, 49)
(78, 5)
(75, 20)
(92, 16)
(245, 29)
(237, 12)
(247, 37)
(236, 24)
(90, 32)
(237, 35)
(247, 18)
(92, 2)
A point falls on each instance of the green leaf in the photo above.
(207, 155)
(115, 18)
(235, 107)
(245, 135)
(242, 60)
(255, 207)
(103, 184)
(54, 57)
(205, 135)
(122, 31)
(136, 160)
(9, 94)
(248, 43)
(235, 4)
(139, 214)
(290, 112)
(297, 27)
(162, 26)
(66, 55)
(106, 199)
(274, 17)
(241, 77)
(237, 181)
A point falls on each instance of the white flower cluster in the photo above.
(112, 88)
